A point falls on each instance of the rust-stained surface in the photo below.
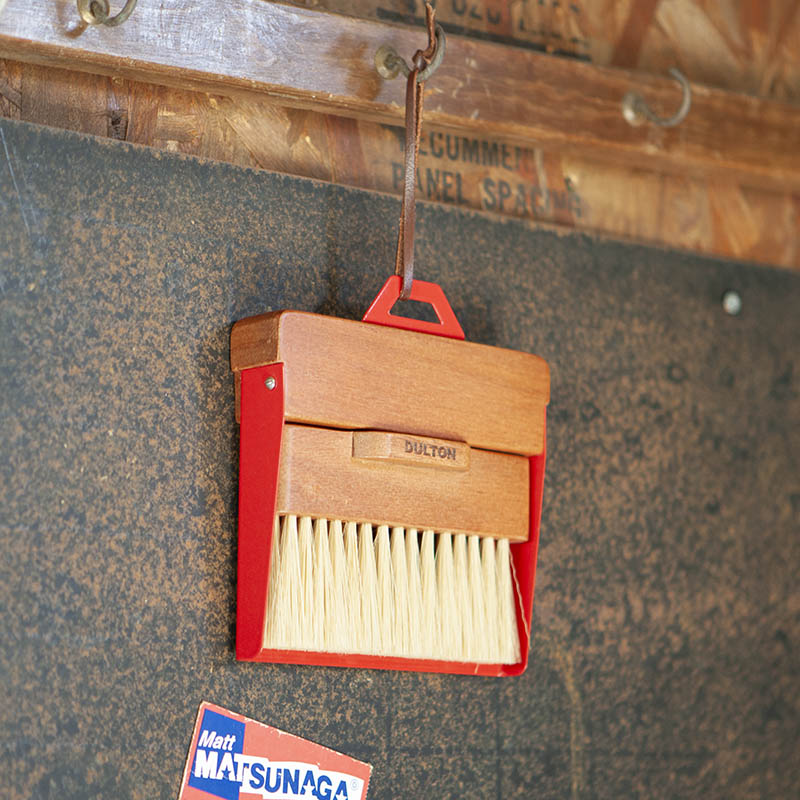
(667, 615)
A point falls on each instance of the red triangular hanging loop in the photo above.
(380, 312)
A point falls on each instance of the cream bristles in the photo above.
(477, 644)
(429, 622)
(322, 580)
(489, 580)
(400, 593)
(368, 636)
(342, 588)
(383, 561)
(415, 633)
(338, 613)
(283, 611)
(508, 646)
(305, 538)
(449, 638)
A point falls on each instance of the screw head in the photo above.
(732, 302)
(270, 383)
(631, 110)
(387, 62)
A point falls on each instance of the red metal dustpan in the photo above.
(265, 392)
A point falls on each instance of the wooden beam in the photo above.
(310, 59)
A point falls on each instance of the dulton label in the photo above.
(400, 448)
(237, 758)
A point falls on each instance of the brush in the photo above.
(390, 492)
(340, 587)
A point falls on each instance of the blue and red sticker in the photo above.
(237, 758)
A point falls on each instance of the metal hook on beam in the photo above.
(390, 64)
(97, 12)
(636, 111)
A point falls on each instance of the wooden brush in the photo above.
(390, 491)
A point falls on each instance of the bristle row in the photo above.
(345, 588)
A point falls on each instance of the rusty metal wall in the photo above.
(665, 656)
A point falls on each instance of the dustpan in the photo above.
(387, 420)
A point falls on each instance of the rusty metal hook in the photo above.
(389, 64)
(96, 12)
(636, 111)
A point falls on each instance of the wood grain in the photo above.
(323, 61)
(486, 174)
(11, 89)
(320, 478)
(750, 46)
(346, 374)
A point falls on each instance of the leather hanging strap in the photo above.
(404, 261)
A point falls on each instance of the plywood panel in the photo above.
(750, 46)
(459, 169)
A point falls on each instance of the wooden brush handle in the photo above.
(345, 374)
(319, 477)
